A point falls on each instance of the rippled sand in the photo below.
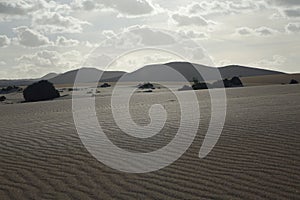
(257, 156)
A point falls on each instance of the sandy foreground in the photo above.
(257, 156)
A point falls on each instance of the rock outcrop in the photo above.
(40, 91)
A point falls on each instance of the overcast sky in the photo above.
(38, 37)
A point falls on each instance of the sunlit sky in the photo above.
(40, 36)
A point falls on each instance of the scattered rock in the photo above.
(40, 91)
(10, 89)
(2, 98)
(105, 85)
(185, 87)
(146, 86)
(199, 86)
(234, 82)
(293, 81)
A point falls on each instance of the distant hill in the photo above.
(242, 71)
(189, 71)
(157, 72)
(49, 76)
(88, 75)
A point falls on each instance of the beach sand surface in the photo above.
(256, 157)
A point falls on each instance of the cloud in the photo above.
(4, 41)
(44, 61)
(198, 54)
(293, 28)
(287, 8)
(153, 37)
(193, 35)
(54, 22)
(97, 60)
(134, 36)
(30, 38)
(285, 2)
(265, 31)
(244, 31)
(292, 12)
(21, 7)
(224, 7)
(44, 58)
(183, 20)
(124, 7)
(276, 60)
(62, 41)
(261, 31)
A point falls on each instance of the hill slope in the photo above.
(88, 75)
(189, 71)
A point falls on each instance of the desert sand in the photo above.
(270, 79)
(257, 156)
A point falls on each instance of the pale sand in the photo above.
(270, 79)
(257, 156)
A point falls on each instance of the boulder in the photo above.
(146, 86)
(234, 82)
(185, 87)
(2, 98)
(10, 89)
(293, 81)
(105, 85)
(40, 91)
(199, 86)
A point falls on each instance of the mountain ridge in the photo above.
(158, 72)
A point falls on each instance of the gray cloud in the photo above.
(265, 31)
(285, 2)
(137, 35)
(244, 31)
(44, 58)
(192, 34)
(18, 7)
(54, 22)
(30, 38)
(292, 12)
(4, 41)
(44, 61)
(224, 7)
(153, 37)
(260, 31)
(184, 20)
(293, 28)
(125, 7)
(62, 41)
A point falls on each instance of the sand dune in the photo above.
(257, 156)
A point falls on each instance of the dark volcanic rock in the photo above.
(2, 98)
(10, 89)
(40, 91)
(234, 82)
(105, 85)
(185, 87)
(199, 86)
(293, 81)
(146, 86)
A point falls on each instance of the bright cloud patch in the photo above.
(293, 28)
(30, 38)
(54, 22)
(4, 41)
(261, 31)
(184, 20)
(125, 7)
